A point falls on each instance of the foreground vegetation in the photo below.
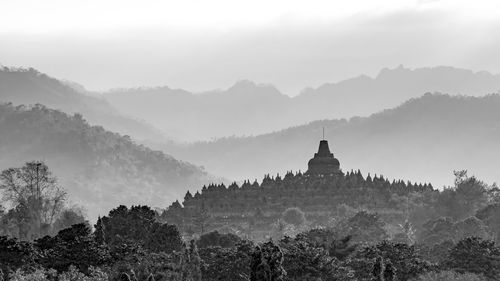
(154, 251)
(44, 239)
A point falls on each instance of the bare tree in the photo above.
(34, 186)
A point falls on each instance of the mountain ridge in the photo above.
(23, 86)
(430, 132)
(248, 108)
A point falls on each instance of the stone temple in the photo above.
(254, 209)
(323, 162)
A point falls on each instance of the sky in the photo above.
(205, 45)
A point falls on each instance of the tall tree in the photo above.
(99, 232)
(267, 263)
(468, 195)
(190, 263)
(124, 225)
(195, 261)
(34, 186)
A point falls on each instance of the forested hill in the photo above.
(100, 169)
(28, 86)
(422, 140)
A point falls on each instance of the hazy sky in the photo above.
(201, 45)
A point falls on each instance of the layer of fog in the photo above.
(289, 54)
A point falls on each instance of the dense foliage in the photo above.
(455, 241)
(76, 253)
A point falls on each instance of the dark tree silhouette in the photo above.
(475, 255)
(71, 246)
(163, 238)
(215, 238)
(99, 232)
(389, 272)
(15, 254)
(190, 263)
(124, 225)
(378, 269)
(267, 263)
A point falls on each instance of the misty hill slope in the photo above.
(251, 109)
(100, 169)
(234, 111)
(28, 86)
(364, 95)
(422, 140)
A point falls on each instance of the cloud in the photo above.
(289, 53)
(427, 1)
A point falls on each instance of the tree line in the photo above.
(135, 244)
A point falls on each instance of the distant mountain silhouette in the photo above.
(363, 95)
(251, 109)
(245, 108)
(422, 140)
(100, 169)
(28, 86)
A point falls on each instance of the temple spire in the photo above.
(323, 133)
(323, 161)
